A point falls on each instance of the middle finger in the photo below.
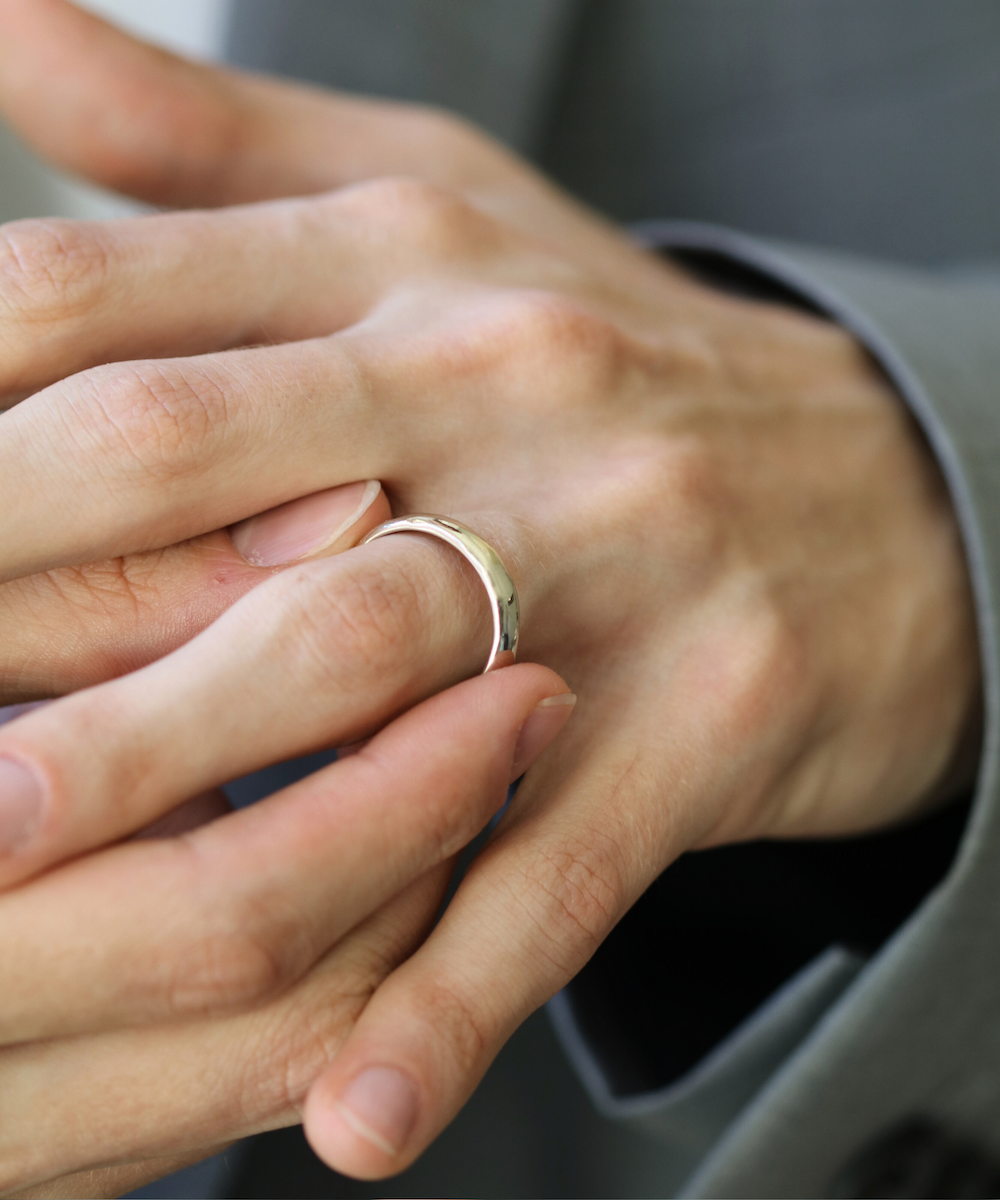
(136, 455)
(74, 294)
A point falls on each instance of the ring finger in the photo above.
(319, 655)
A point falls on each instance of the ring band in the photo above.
(485, 562)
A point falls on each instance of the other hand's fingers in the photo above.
(527, 916)
(182, 1089)
(238, 909)
(317, 656)
(104, 1183)
(77, 626)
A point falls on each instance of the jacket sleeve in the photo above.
(859, 1040)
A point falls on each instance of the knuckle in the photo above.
(92, 603)
(762, 663)
(247, 957)
(431, 219)
(670, 489)
(285, 1059)
(117, 588)
(553, 337)
(684, 483)
(556, 320)
(540, 350)
(573, 896)
(297, 1042)
(225, 971)
(466, 1029)
(299, 1037)
(158, 419)
(51, 270)
(245, 947)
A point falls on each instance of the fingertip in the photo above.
(361, 1128)
(497, 724)
(541, 727)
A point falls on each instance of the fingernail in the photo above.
(380, 1105)
(539, 728)
(303, 527)
(20, 805)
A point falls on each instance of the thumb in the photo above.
(150, 124)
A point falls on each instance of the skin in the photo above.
(728, 539)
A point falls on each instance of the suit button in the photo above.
(917, 1159)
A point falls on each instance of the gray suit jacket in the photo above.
(868, 131)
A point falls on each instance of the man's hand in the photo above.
(725, 532)
(173, 992)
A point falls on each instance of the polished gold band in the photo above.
(485, 562)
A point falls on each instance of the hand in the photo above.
(247, 952)
(726, 534)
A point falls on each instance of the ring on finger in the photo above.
(485, 562)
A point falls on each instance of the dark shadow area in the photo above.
(529, 1130)
(722, 929)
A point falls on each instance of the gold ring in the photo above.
(485, 562)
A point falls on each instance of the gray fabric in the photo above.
(866, 125)
(495, 61)
(689, 1116)
(869, 125)
(920, 1032)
